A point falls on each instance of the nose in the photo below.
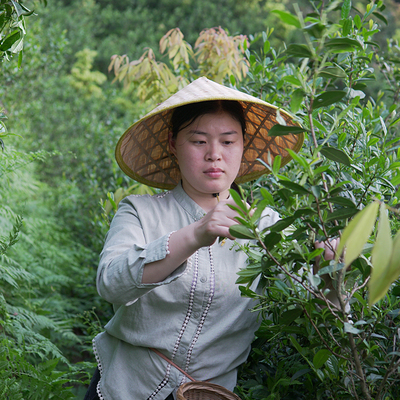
(213, 152)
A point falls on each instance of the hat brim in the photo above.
(143, 150)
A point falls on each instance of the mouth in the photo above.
(213, 172)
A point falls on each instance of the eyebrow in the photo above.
(196, 132)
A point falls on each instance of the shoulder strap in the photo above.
(172, 363)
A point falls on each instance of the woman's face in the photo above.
(209, 152)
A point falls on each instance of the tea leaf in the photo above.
(282, 130)
(321, 358)
(356, 234)
(241, 232)
(328, 98)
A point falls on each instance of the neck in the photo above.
(207, 201)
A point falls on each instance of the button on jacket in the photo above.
(196, 317)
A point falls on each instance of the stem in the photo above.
(321, 337)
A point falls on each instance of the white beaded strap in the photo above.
(167, 244)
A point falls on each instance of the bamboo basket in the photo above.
(197, 390)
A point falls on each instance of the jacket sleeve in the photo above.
(124, 255)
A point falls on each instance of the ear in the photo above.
(171, 143)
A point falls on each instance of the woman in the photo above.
(171, 282)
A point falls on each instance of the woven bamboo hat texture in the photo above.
(143, 151)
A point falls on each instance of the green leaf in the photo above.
(328, 98)
(342, 201)
(380, 258)
(332, 267)
(316, 29)
(357, 21)
(282, 224)
(267, 196)
(381, 17)
(297, 98)
(281, 130)
(356, 234)
(297, 157)
(277, 164)
(294, 187)
(241, 232)
(372, 141)
(343, 45)
(296, 344)
(316, 191)
(20, 55)
(288, 18)
(10, 40)
(333, 73)
(349, 328)
(271, 240)
(299, 50)
(336, 155)
(395, 180)
(289, 316)
(346, 8)
(238, 200)
(347, 25)
(321, 358)
(291, 79)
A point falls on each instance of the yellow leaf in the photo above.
(382, 250)
(356, 234)
(394, 265)
(380, 257)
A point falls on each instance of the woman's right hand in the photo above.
(216, 223)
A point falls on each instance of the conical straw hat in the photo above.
(143, 152)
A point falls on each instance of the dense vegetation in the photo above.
(332, 65)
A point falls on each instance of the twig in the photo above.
(321, 337)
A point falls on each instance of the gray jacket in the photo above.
(196, 316)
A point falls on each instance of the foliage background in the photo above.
(55, 175)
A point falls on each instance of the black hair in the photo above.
(184, 115)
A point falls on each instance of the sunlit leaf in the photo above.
(349, 328)
(382, 250)
(296, 100)
(356, 234)
(381, 259)
(277, 164)
(346, 8)
(394, 265)
(347, 25)
(288, 18)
